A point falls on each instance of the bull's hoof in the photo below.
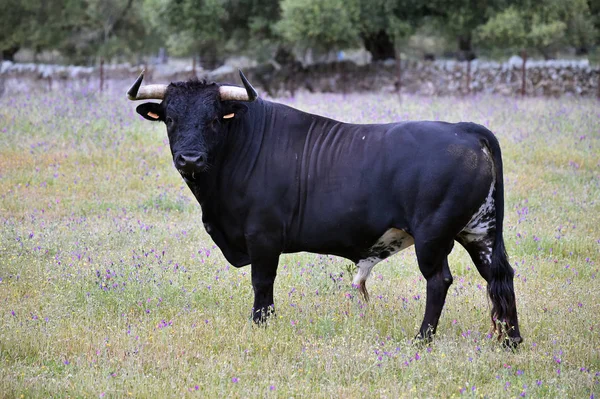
(422, 341)
(511, 342)
(261, 316)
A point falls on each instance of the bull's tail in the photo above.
(502, 294)
(500, 285)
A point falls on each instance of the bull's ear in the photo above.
(232, 109)
(151, 111)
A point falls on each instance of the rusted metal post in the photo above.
(523, 71)
(342, 77)
(101, 74)
(598, 92)
(468, 76)
(398, 72)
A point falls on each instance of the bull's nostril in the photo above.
(190, 164)
(180, 161)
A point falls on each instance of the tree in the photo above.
(104, 28)
(321, 24)
(538, 25)
(336, 24)
(80, 30)
(215, 29)
(197, 27)
(461, 18)
(30, 23)
(583, 25)
(251, 24)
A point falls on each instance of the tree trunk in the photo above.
(523, 71)
(465, 48)
(398, 72)
(9, 53)
(598, 93)
(468, 77)
(101, 74)
(209, 59)
(380, 46)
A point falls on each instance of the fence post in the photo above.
(193, 66)
(468, 76)
(101, 74)
(523, 71)
(398, 72)
(598, 92)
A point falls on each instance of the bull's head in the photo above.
(196, 115)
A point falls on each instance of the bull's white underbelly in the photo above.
(392, 241)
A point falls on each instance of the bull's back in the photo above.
(360, 180)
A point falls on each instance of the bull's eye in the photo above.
(169, 120)
(214, 123)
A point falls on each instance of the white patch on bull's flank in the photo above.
(393, 236)
(392, 241)
(483, 222)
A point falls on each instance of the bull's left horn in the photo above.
(139, 92)
(248, 93)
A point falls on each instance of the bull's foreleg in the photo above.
(263, 278)
(264, 257)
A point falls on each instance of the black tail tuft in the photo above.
(500, 285)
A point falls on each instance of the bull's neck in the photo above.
(244, 135)
(233, 160)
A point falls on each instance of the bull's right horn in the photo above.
(248, 93)
(139, 92)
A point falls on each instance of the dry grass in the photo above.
(109, 286)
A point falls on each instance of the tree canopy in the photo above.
(84, 30)
(544, 26)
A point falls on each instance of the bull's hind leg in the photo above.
(498, 274)
(433, 263)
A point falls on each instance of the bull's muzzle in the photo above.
(189, 165)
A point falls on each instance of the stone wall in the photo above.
(543, 78)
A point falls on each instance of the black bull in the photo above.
(272, 179)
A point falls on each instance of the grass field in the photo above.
(110, 287)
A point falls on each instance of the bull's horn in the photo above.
(139, 92)
(237, 93)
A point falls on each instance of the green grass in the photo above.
(110, 287)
